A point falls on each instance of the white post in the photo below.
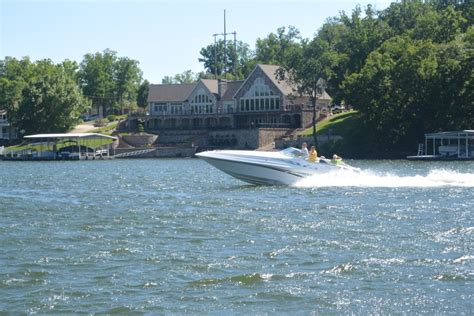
(434, 145)
(426, 145)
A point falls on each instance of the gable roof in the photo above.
(211, 85)
(169, 92)
(283, 85)
(270, 71)
(180, 92)
(232, 87)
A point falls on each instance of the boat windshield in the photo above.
(292, 152)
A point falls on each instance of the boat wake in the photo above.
(344, 178)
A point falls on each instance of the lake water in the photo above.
(180, 237)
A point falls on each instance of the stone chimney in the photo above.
(221, 87)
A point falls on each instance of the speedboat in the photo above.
(283, 167)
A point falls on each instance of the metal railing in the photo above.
(134, 153)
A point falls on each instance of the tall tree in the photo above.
(274, 48)
(97, 79)
(308, 66)
(439, 26)
(142, 94)
(14, 77)
(352, 38)
(233, 59)
(403, 15)
(42, 97)
(127, 76)
(109, 81)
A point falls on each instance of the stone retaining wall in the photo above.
(140, 140)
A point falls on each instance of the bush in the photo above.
(100, 122)
(111, 117)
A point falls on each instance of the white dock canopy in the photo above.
(63, 146)
(458, 144)
(70, 136)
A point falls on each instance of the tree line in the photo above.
(44, 97)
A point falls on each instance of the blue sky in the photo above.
(164, 36)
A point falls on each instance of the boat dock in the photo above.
(457, 145)
(74, 146)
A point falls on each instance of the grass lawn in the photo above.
(348, 125)
(339, 124)
(108, 129)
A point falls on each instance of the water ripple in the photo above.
(179, 237)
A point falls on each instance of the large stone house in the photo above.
(261, 100)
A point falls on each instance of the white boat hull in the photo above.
(271, 168)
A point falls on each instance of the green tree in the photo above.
(308, 66)
(274, 48)
(109, 81)
(142, 94)
(41, 97)
(235, 59)
(127, 76)
(72, 69)
(440, 27)
(187, 76)
(402, 16)
(97, 79)
(352, 38)
(409, 87)
(14, 76)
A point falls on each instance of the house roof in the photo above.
(232, 87)
(211, 85)
(169, 92)
(180, 92)
(450, 135)
(283, 85)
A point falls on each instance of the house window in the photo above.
(260, 97)
(202, 103)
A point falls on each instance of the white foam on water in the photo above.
(346, 178)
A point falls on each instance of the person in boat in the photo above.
(336, 159)
(304, 150)
(313, 154)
